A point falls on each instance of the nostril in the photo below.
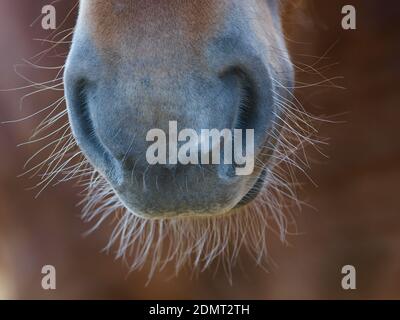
(254, 115)
(256, 105)
(83, 128)
(247, 112)
(82, 117)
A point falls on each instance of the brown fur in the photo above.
(110, 21)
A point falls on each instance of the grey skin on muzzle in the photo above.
(143, 77)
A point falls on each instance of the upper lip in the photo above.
(254, 191)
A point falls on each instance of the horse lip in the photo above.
(254, 191)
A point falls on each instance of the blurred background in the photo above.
(353, 215)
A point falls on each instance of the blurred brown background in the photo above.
(356, 219)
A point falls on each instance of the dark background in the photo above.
(355, 217)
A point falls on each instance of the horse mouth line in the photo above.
(254, 191)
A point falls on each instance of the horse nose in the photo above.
(114, 122)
